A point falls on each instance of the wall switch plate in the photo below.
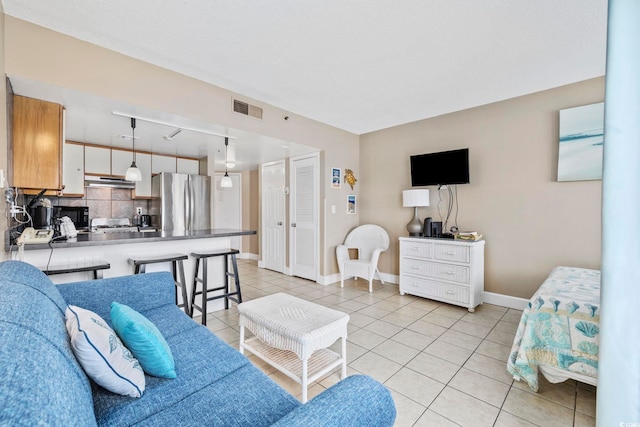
(333, 209)
(138, 210)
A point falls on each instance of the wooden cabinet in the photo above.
(97, 160)
(143, 188)
(160, 163)
(190, 166)
(73, 169)
(451, 271)
(37, 144)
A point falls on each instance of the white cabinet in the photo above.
(143, 188)
(190, 166)
(73, 169)
(120, 162)
(451, 271)
(160, 163)
(97, 160)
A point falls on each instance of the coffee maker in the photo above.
(41, 215)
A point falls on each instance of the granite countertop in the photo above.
(97, 239)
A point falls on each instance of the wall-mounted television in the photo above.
(442, 168)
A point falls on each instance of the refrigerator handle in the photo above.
(187, 204)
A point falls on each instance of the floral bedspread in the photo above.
(559, 327)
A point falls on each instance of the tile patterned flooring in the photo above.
(443, 365)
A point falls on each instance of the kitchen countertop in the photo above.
(98, 239)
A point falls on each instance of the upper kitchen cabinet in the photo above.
(190, 166)
(97, 160)
(37, 144)
(73, 169)
(120, 162)
(160, 163)
(143, 188)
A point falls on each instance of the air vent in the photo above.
(247, 109)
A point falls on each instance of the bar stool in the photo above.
(96, 269)
(235, 296)
(177, 269)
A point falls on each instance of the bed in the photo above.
(559, 329)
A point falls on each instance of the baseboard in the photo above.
(246, 255)
(505, 300)
(328, 280)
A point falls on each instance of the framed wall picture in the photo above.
(351, 204)
(581, 143)
(336, 176)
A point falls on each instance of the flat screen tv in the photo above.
(443, 168)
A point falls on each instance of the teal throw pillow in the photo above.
(144, 340)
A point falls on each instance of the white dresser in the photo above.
(451, 271)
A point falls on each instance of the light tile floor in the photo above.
(443, 365)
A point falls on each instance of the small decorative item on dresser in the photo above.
(468, 235)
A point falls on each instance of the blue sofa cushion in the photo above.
(201, 359)
(41, 383)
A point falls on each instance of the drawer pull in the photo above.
(450, 273)
(415, 267)
(450, 292)
(451, 253)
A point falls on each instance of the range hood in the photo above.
(107, 181)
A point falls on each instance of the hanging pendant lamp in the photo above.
(133, 173)
(226, 182)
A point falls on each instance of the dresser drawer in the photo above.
(451, 253)
(434, 289)
(416, 249)
(419, 267)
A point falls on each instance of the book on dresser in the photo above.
(450, 271)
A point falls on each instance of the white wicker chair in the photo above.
(370, 240)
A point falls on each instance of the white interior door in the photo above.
(227, 207)
(273, 209)
(304, 212)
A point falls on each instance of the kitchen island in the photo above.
(117, 248)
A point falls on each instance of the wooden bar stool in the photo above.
(177, 269)
(95, 268)
(234, 296)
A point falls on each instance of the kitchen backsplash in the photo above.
(104, 202)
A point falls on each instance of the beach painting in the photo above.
(581, 143)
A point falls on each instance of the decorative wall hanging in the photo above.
(351, 204)
(349, 178)
(581, 143)
(336, 180)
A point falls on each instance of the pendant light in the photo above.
(133, 173)
(226, 182)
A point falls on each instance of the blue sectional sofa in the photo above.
(41, 382)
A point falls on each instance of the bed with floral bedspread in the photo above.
(559, 329)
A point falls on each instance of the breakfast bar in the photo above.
(117, 248)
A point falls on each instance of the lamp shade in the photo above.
(226, 182)
(413, 198)
(133, 173)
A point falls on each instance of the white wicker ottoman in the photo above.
(292, 335)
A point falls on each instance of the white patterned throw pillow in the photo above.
(101, 353)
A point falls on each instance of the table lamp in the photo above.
(415, 199)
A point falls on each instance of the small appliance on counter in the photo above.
(112, 225)
(145, 221)
(42, 214)
(79, 215)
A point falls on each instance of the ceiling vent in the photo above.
(247, 109)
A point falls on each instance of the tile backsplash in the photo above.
(104, 202)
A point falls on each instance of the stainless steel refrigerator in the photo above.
(180, 202)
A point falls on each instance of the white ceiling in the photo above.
(357, 65)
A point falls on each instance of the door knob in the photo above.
(293, 224)
(279, 222)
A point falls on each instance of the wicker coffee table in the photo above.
(292, 335)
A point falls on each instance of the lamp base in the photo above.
(414, 227)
